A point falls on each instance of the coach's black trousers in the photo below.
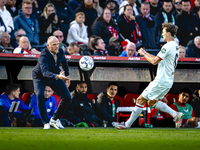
(57, 86)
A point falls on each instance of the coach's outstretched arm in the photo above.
(151, 58)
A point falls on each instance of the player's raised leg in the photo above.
(178, 116)
(134, 115)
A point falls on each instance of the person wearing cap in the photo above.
(130, 51)
(111, 4)
(114, 47)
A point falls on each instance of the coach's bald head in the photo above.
(53, 44)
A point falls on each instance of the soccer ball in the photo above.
(86, 63)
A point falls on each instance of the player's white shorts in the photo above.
(154, 91)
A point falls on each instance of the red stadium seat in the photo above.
(26, 98)
(57, 99)
(93, 97)
(117, 97)
(130, 99)
(171, 98)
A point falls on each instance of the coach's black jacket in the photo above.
(81, 109)
(47, 68)
(104, 107)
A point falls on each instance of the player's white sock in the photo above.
(165, 108)
(135, 114)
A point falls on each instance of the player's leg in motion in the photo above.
(134, 115)
(178, 116)
(154, 103)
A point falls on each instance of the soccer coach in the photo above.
(48, 72)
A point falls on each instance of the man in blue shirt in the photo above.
(130, 51)
(50, 105)
(6, 99)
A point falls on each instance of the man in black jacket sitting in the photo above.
(81, 109)
(106, 105)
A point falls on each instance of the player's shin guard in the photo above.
(165, 108)
(135, 114)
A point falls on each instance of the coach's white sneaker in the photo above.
(178, 120)
(121, 125)
(56, 123)
(46, 126)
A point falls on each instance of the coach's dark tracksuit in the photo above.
(44, 74)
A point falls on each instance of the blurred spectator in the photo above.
(177, 5)
(128, 26)
(10, 6)
(50, 106)
(97, 7)
(106, 105)
(99, 47)
(114, 47)
(48, 22)
(18, 34)
(195, 102)
(60, 37)
(182, 52)
(91, 49)
(154, 7)
(25, 47)
(130, 51)
(27, 21)
(111, 4)
(196, 9)
(189, 119)
(35, 9)
(6, 20)
(193, 48)
(105, 27)
(5, 43)
(135, 8)
(73, 49)
(65, 14)
(74, 4)
(188, 24)
(81, 109)
(24, 118)
(90, 13)
(149, 26)
(78, 31)
(165, 16)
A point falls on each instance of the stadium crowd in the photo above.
(100, 28)
(113, 23)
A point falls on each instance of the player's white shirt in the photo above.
(169, 54)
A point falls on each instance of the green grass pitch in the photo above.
(99, 139)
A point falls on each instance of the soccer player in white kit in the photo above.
(167, 60)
